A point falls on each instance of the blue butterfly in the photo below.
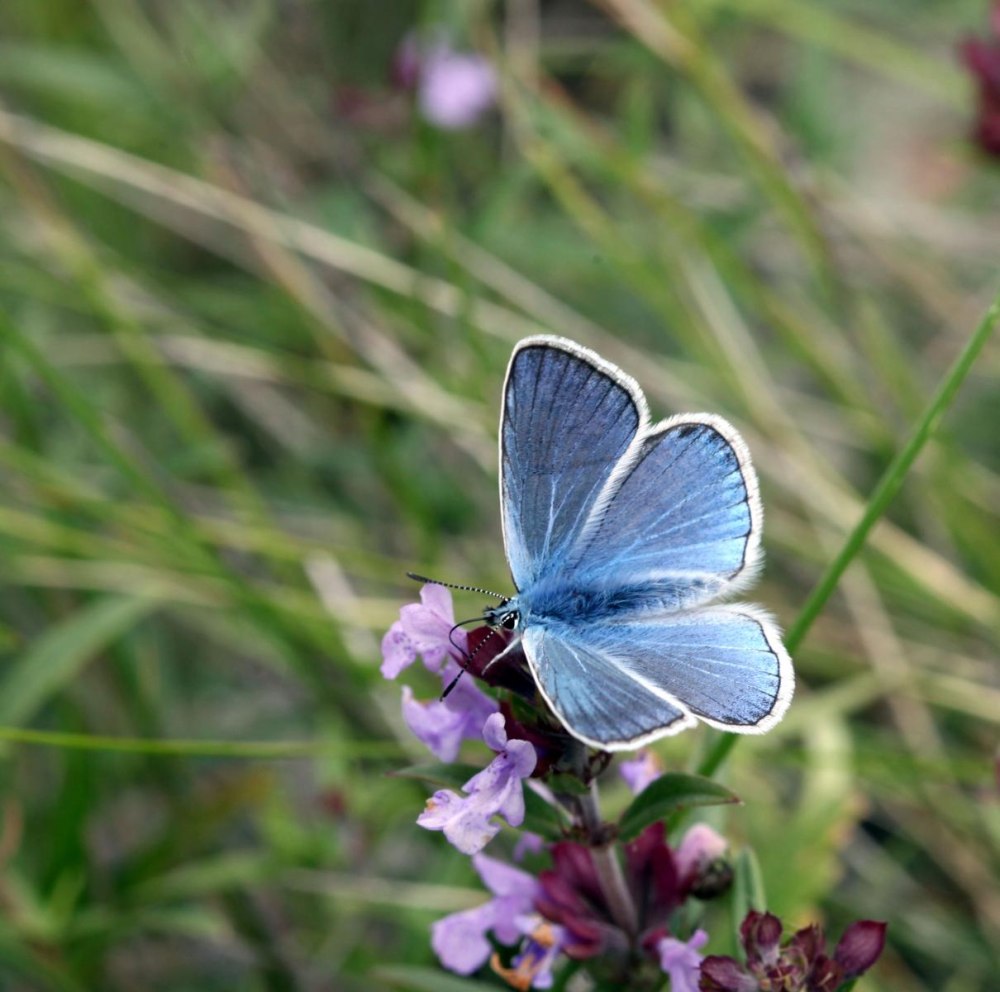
(618, 533)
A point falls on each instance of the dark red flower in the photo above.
(982, 59)
(653, 877)
(801, 965)
(490, 661)
(722, 974)
(570, 894)
(760, 934)
(860, 947)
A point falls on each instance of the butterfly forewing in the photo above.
(567, 421)
(685, 519)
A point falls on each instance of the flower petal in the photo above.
(494, 732)
(455, 88)
(443, 724)
(760, 934)
(459, 940)
(639, 771)
(505, 880)
(398, 651)
(681, 961)
(722, 974)
(860, 947)
(465, 821)
(699, 846)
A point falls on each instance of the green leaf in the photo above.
(18, 957)
(424, 980)
(542, 817)
(448, 776)
(58, 656)
(566, 784)
(668, 794)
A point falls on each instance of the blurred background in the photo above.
(261, 267)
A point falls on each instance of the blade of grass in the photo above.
(109, 168)
(298, 641)
(173, 748)
(827, 29)
(879, 501)
(59, 655)
(679, 47)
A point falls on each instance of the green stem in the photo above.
(609, 870)
(880, 499)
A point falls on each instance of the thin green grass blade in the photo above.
(880, 499)
(193, 748)
(60, 654)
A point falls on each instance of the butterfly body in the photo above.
(554, 599)
(619, 533)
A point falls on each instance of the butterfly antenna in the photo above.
(468, 657)
(453, 585)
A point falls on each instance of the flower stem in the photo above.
(609, 869)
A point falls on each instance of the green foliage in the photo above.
(254, 317)
(668, 795)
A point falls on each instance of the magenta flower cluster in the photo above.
(800, 965)
(629, 911)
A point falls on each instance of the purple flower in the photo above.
(702, 870)
(424, 629)
(681, 961)
(639, 771)
(722, 974)
(443, 724)
(760, 934)
(652, 875)
(466, 821)
(801, 965)
(454, 89)
(460, 940)
(532, 968)
(527, 843)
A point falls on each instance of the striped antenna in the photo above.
(453, 585)
(468, 658)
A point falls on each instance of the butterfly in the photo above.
(619, 533)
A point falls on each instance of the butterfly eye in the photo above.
(501, 616)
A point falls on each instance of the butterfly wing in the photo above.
(589, 488)
(621, 685)
(597, 700)
(684, 520)
(660, 518)
(568, 420)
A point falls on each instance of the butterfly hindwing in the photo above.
(595, 700)
(610, 682)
